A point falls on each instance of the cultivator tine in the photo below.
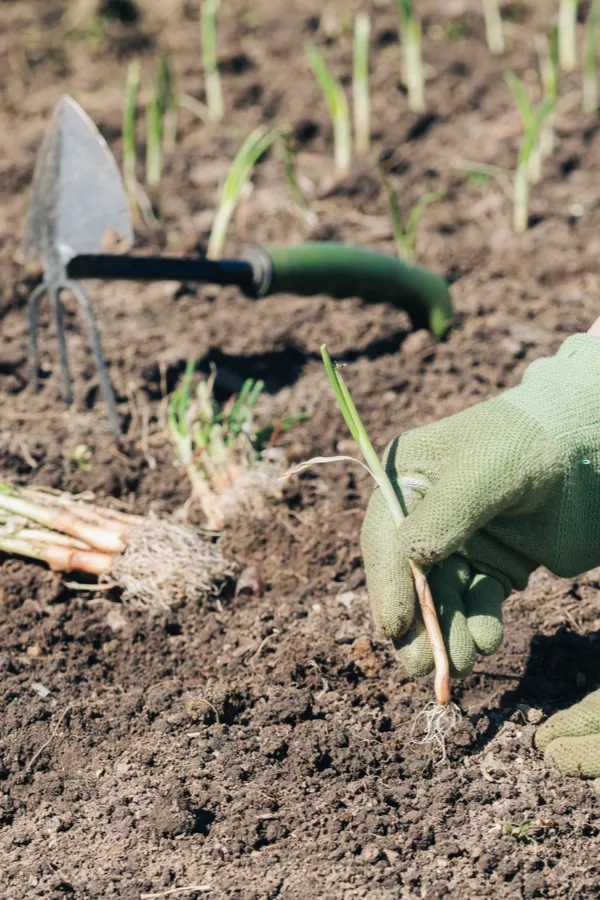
(94, 339)
(59, 320)
(32, 314)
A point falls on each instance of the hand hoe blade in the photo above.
(78, 203)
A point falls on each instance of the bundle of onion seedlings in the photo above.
(153, 562)
(443, 716)
(232, 463)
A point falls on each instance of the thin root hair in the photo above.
(437, 723)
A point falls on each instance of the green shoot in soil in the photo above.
(186, 101)
(360, 83)
(493, 26)
(410, 30)
(527, 112)
(567, 42)
(405, 237)
(524, 163)
(550, 67)
(521, 831)
(590, 54)
(132, 85)
(550, 72)
(256, 143)
(337, 105)
(138, 198)
(167, 94)
(289, 165)
(161, 121)
(153, 140)
(212, 78)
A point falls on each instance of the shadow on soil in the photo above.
(277, 368)
(562, 668)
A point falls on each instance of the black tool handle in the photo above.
(162, 268)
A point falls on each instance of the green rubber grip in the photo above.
(341, 271)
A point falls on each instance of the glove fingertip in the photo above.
(414, 650)
(487, 633)
(465, 667)
(542, 738)
(483, 602)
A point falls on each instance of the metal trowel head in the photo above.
(78, 203)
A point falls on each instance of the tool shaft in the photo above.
(161, 268)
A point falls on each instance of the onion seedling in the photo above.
(493, 26)
(414, 77)
(443, 716)
(138, 198)
(132, 85)
(337, 105)
(161, 121)
(523, 172)
(567, 43)
(153, 140)
(186, 101)
(230, 461)
(360, 83)
(255, 144)
(528, 116)
(212, 78)
(590, 54)
(167, 94)
(405, 237)
(289, 165)
(153, 562)
(550, 71)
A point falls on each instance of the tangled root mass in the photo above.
(165, 563)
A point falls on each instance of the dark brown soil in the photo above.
(262, 748)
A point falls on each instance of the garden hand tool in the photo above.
(78, 211)
(492, 493)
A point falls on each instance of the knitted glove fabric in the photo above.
(491, 493)
(570, 740)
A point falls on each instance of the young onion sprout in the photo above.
(567, 42)
(493, 26)
(132, 85)
(529, 147)
(212, 78)
(590, 53)
(138, 198)
(153, 140)
(161, 121)
(550, 72)
(337, 105)
(360, 83)
(528, 113)
(405, 237)
(414, 77)
(255, 144)
(167, 94)
(289, 166)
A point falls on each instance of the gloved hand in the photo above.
(492, 493)
(570, 740)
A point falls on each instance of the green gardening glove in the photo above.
(570, 740)
(492, 493)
